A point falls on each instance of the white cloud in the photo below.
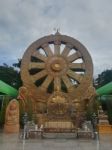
(24, 21)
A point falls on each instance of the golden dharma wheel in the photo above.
(56, 62)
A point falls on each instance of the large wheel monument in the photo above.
(57, 73)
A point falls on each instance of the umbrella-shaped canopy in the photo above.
(105, 90)
(7, 89)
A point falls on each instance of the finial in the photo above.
(57, 31)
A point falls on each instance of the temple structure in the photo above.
(57, 74)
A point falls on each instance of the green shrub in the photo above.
(6, 100)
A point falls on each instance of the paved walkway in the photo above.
(12, 142)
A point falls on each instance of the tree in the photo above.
(5, 102)
(18, 64)
(103, 78)
(11, 76)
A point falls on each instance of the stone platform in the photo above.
(12, 142)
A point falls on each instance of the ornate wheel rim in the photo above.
(56, 60)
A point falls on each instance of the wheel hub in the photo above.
(56, 67)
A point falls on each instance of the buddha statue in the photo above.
(57, 104)
(103, 118)
(12, 117)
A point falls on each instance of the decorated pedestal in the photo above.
(103, 126)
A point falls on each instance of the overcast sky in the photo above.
(24, 21)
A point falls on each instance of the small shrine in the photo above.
(103, 123)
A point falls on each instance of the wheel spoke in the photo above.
(39, 75)
(47, 49)
(74, 56)
(57, 48)
(67, 82)
(57, 84)
(75, 76)
(46, 82)
(77, 65)
(36, 65)
(66, 50)
(39, 56)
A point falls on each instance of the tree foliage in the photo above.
(18, 64)
(5, 102)
(10, 75)
(103, 78)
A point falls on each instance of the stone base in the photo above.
(59, 127)
(104, 129)
(60, 135)
(11, 128)
(85, 134)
